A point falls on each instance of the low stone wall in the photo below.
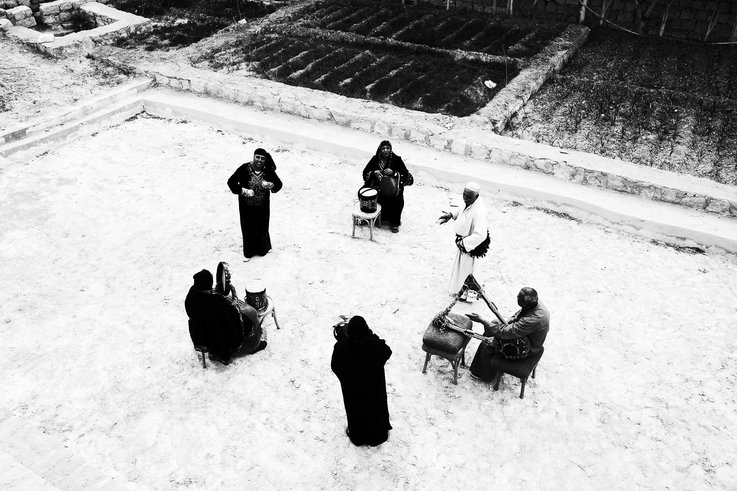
(52, 13)
(114, 25)
(21, 16)
(471, 136)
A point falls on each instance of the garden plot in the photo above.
(662, 104)
(634, 387)
(416, 58)
(423, 81)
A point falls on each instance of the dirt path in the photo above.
(32, 85)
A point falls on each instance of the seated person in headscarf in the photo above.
(224, 287)
(384, 167)
(214, 323)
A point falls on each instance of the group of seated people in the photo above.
(219, 322)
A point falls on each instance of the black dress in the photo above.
(391, 206)
(360, 368)
(255, 210)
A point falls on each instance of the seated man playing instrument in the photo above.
(532, 321)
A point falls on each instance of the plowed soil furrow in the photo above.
(320, 66)
(345, 23)
(465, 32)
(390, 82)
(289, 50)
(294, 64)
(371, 22)
(333, 16)
(418, 24)
(332, 78)
(356, 85)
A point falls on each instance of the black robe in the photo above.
(391, 206)
(254, 214)
(214, 323)
(360, 369)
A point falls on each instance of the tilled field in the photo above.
(425, 82)
(417, 58)
(432, 28)
(658, 103)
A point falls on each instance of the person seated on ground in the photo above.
(531, 321)
(216, 324)
(387, 173)
(256, 336)
(358, 361)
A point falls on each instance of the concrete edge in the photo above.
(587, 210)
(21, 131)
(38, 144)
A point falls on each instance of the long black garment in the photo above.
(254, 211)
(391, 206)
(360, 369)
(214, 322)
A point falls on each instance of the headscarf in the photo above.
(384, 143)
(203, 280)
(270, 165)
(358, 330)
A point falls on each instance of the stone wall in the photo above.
(52, 13)
(686, 19)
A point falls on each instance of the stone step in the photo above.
(34, 460)
(29, 129)
(39, 142)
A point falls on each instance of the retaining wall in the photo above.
(471, 136)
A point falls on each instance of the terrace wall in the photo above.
(686, 19)
(43, 16)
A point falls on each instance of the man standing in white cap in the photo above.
(472, 235)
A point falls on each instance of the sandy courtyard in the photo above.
(99, 240)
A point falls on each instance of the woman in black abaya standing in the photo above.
(358, 361)
(254, 182)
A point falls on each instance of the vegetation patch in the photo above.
(179, 23)
(664, 104)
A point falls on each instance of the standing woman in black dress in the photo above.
(254, 182)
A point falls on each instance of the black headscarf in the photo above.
(270, 165)
(384, 143)
(203, 280)
(358, 330)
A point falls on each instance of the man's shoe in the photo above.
(395, 229)
(475, 377)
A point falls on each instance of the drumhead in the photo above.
(368, 193)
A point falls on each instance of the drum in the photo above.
(367, 198)
(512, 349)
(447, 340)
(256, 296)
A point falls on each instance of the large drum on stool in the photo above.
(256, 296)
(447, 340)
(368, 199)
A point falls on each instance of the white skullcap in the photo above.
(473, 186)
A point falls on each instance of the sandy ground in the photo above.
(99, 240)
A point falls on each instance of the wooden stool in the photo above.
(517, 368)
(370, 218)
(448, 344)
(202, 350)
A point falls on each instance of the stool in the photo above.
(270, 309)
(517, 368)
(448, 344)
(370, 218)
(202, 350)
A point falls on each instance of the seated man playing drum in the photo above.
(532, 321)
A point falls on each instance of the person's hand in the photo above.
(445, 217)
(459, 244)
(267, 184)
(477, 318)
(388, 172)
(377, 174)
(247, 193)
